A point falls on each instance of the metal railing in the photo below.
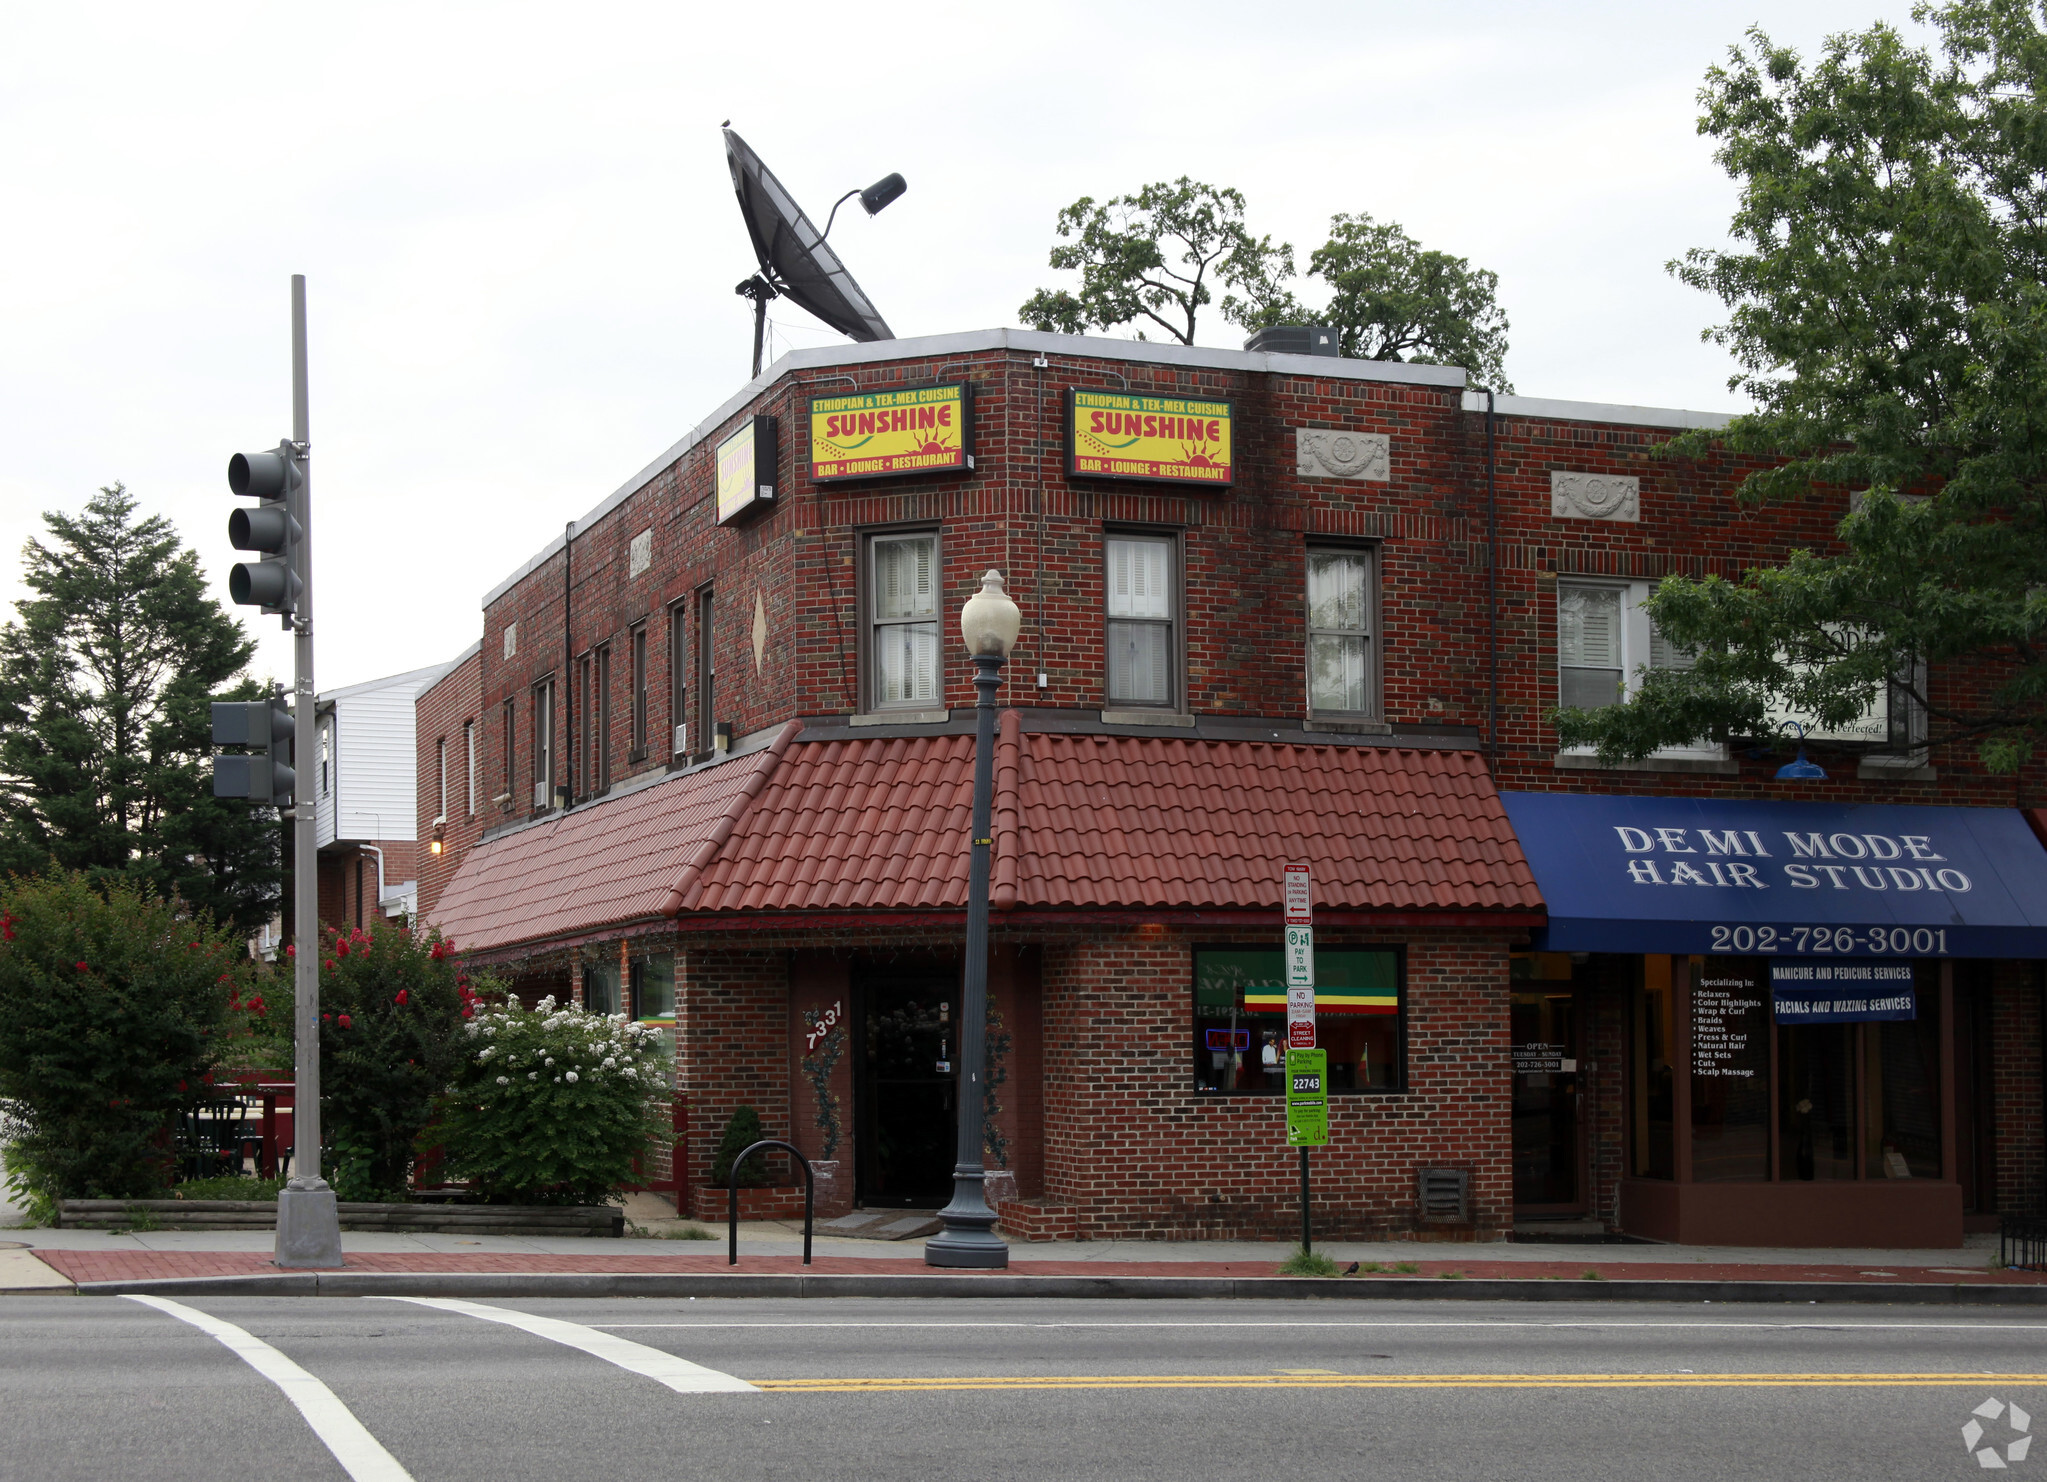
(732, 1198)
(2022, 1242)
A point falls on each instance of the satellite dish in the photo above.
(795, 262)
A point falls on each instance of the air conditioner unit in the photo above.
(681, 747)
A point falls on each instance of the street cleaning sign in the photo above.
(1300, 957)
(1307, 1098)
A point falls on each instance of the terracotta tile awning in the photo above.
(1088, 823)
(597, 866)
(1083, 825)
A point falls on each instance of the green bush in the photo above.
(741, 1133)
(393, 1004)
(115, 1010)
(551, 1105)
(230, 1187)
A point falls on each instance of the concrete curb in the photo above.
(1095, 1288)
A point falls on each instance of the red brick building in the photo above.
(1275, 607)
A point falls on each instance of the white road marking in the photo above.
(1841, 1324)
(361, 1454)
(679, 1374)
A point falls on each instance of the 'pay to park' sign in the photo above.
(1307, 1098)
(1300, 958)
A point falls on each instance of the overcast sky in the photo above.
(521, 239)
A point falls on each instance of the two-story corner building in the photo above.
(710, 762)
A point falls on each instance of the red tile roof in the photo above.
(1092, 822)
(1081, 824)
(597, 866)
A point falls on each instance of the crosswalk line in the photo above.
(361, 1454)
(679, 1374)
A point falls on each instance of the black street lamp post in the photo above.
(989, 624)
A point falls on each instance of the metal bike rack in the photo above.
(732, 1198)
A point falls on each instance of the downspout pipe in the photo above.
(568, 769)
(1492, 585)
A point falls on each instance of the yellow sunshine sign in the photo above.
(921, 430)
(1116, 435)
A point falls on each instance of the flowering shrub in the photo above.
(551, 1105)
(115, 1009)
(393, 1004)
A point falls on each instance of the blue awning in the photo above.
(1685, 875)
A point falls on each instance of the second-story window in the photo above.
(1605, 642)
(707, 671)
(1591, 652)
(543, 745)
(1140, 640)
(903, 603)
(469, 763)
(441, 768)
(599, 719)
(639, 694)
(678, 680)
(509, 718)
(1342, 666)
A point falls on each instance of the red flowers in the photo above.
(6, 927)
(469, 1013)
(345, 1022)
(437, 951)
(256, 1004)
(291, 951)
(331, 964)
(403, 995)
(326, 1018)
(83, 968)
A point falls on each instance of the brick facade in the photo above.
(1106, 1135)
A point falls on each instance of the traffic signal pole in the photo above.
(308, 1222)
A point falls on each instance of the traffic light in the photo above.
(265, 725)
(272, 527)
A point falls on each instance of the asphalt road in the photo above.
(95, 1388)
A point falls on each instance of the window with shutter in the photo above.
(1589, 645)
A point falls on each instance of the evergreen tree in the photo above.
(107, 674)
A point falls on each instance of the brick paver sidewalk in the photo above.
(96, 1265)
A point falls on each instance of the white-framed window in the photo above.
(469, 767)
(903, 581)
(1342, 661)
(543, 745)
(441, 768)
(1606, 642)
(1140, 641)
(326, 757)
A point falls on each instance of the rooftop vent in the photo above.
(1295, 339)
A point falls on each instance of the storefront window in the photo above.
(600, 988)
(1854, 1092)
(1652, 1081)
(1901, 1085)
(1816, 1101)
(1240, 1019)
(653, 989)
(1730, 1071)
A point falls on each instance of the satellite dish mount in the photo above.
(795, 263)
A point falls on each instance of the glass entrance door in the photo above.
(906, 1091)
(1548, 1148)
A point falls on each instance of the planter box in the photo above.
(600, 1220)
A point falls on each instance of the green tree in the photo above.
(1155, 256)
(115, 1008)
(1885, 301)
(107, 673)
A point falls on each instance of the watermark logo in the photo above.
(2016, 1422)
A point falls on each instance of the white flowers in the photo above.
(571, 1078)
(504, 1080)
(611, 1062)
(550, 1060)
(486, 1053)
(532, 1075)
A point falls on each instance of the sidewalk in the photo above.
(774, 1250)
